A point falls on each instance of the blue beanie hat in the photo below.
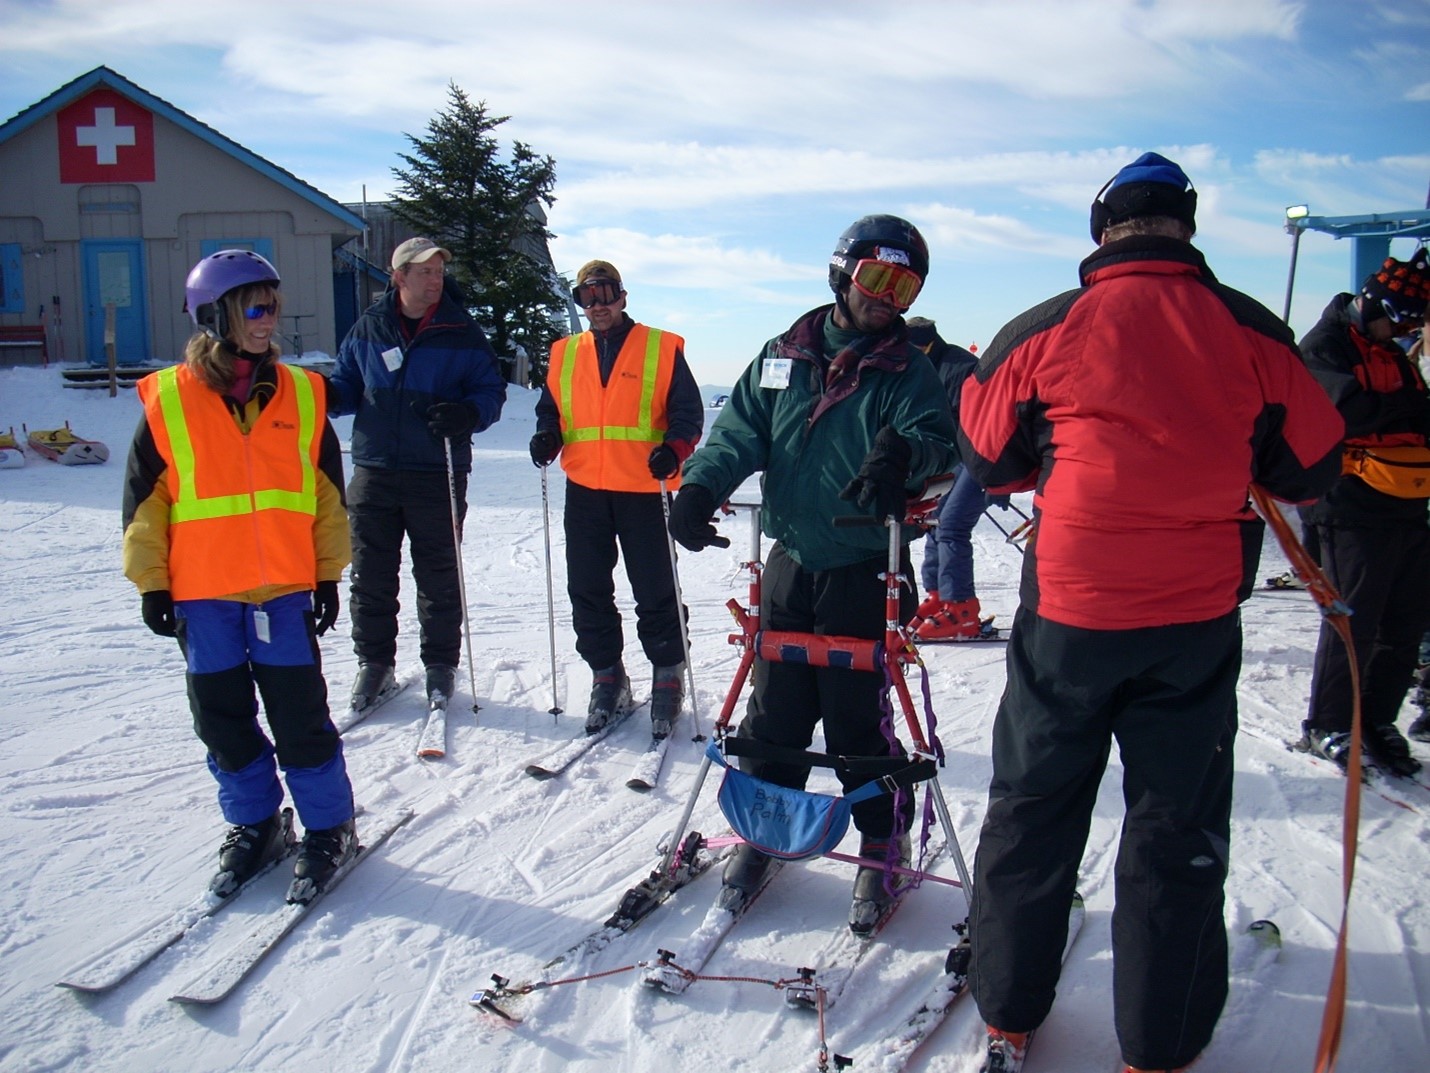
(1151, 185)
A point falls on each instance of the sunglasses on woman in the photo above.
(258, 312)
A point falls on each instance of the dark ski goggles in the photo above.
(258, 312)
(880, 279)
(599, 292)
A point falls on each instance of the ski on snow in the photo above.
(432, 745)
(893, 1052)
(113, 965)
(510, 1001)
(217, 980)
(675, 970)
(553, 762)
(833, 966)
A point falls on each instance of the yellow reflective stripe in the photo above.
(568, 375)
(171, 406)
(188, 506)
(645, 431)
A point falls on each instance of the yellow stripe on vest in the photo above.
(188, 506)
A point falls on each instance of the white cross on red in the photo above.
(105, 136)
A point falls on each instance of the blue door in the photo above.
(114, 275)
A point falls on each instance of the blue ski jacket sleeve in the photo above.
(389, 382)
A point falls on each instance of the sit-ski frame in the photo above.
(888, 655)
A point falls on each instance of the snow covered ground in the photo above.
(108, 817)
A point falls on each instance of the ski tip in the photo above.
(640, 785)
(538, 772)
(431, 754)
(1265, 930)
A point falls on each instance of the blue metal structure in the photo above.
(1370, 237)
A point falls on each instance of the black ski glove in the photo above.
(881, 479)
(545, 446)
(452, 420)
(157, 609)
(990, 500)
(663, 462)
(325, 606)
(690, 516)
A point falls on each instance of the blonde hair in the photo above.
(212, 359)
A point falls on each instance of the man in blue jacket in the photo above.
(417, 372)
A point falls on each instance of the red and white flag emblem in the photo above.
(106, 138)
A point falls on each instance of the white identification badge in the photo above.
(392, 359)
(774, 372)
(260, 627)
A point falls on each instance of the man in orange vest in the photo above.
(623, 411)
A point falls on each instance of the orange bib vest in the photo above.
(608, 430)
(243, 505)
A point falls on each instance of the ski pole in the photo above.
(555, 708)
(461, 574)
(680, 607)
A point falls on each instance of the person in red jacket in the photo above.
(1372, 524)
(1140, 407)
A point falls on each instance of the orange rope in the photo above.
(1336, 612)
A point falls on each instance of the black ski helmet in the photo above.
(215, 276)
(865, 235)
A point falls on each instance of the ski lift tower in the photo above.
(1370, 237)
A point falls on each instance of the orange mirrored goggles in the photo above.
(880, 279)
(598, 292)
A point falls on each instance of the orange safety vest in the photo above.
(608, 430)
(242, 504)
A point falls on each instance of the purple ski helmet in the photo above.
(215, 276)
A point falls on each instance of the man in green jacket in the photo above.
(842, 417)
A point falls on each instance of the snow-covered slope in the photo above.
(108, 817)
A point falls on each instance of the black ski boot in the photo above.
(248, 849)
(441, 682)
(871, 895)
(667, 694)
(744, 872)
(374, 682)
(322, 853)
(1389, 749)
(610, 697)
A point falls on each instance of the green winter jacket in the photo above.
(809, 439)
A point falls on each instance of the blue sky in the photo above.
(714, 151)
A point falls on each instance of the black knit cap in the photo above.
(1151, 185)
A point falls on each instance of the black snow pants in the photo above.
(1167, 694)
(384, 505)
(595, 522)
(790, 700)
(1384, 575)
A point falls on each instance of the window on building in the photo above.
(261, 246)
(12, 278)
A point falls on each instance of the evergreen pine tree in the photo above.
(490, 212)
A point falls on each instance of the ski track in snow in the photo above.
(108, 819)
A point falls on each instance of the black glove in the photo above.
(325, 606)
(452, 420)
(545, 446)
(990, 500)
(690, 516)
(663, 462)
(881, 479)
(157, 608)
